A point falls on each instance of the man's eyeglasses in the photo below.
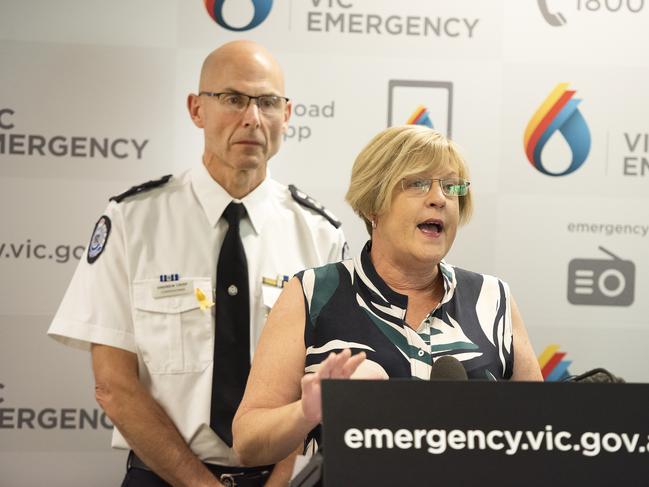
(238, 102)
(421, 186)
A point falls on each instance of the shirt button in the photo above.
(233, 290)
(420, 353)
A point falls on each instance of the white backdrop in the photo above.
(93, 101)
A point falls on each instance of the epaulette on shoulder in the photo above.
(306, 200)
(141, 188)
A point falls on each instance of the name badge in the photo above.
(174, 288)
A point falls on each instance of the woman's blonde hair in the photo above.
(397, 153)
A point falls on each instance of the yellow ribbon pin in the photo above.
(203, 301)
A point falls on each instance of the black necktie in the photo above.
(232, 327)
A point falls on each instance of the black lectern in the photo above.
(408, 432)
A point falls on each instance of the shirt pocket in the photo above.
(172, 333)
(269, 295)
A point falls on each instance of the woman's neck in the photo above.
(405, 278)
(422, 284)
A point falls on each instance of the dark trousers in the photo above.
(136, 477)
(139, 475)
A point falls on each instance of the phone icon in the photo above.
(427, 103)
(554, 19)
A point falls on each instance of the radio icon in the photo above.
(601, 282)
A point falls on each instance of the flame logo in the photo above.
(421, 116)
(262, 9)
(553, 367)
(558, 113)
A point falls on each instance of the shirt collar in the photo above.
(372, 280)
(376, 283)
(214, 198)
(450, 282)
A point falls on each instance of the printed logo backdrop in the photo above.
(558, 113)
(217, 8)
(547, 99)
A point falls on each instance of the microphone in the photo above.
(448, 368)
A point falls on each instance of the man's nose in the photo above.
(251, 115)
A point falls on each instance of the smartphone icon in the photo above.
(427, 103)
(554, 19)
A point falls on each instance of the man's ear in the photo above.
(194, 108)
(287, 115)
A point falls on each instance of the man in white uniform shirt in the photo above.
(142, 296)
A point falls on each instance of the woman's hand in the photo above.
(336, 366)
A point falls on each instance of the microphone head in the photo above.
(447, 368)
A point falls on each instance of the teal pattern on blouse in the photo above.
(348, 305)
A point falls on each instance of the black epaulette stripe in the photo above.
(141, 188)
(306, 200)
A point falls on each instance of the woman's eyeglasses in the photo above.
(421, 186)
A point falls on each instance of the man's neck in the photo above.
(237, 182)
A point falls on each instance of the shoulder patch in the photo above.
(98, 239)
(141, 188)
(306, 200)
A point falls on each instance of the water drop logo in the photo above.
(553, 367)
(421, 116)
(558, 112)
(262, 9)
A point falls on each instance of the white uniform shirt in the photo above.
(177, 229)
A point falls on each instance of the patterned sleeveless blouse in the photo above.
(348, 305)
